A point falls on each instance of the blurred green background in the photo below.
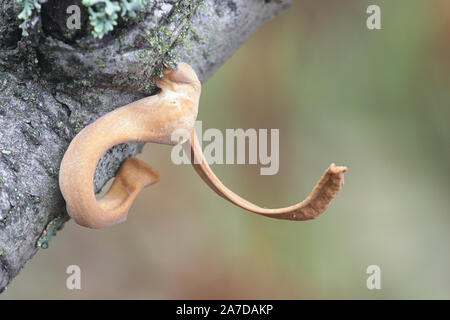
(376, 101)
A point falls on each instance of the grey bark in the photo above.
(56, 81)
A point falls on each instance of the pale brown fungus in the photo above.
(157, 119)
(152, 119)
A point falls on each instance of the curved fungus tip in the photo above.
(159, 118)
(316, 203)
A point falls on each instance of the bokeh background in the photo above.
(376, 101)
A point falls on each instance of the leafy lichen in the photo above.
(103, 14)
(28, 9)
(49, 232)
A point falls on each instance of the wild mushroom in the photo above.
(157, 119)
(152, 119)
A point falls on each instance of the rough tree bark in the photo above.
(56, 81)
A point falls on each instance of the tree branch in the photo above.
(56, 81)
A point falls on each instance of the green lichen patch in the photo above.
(49, 232)
(104, 14)
(29, 7)
(163, 40)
